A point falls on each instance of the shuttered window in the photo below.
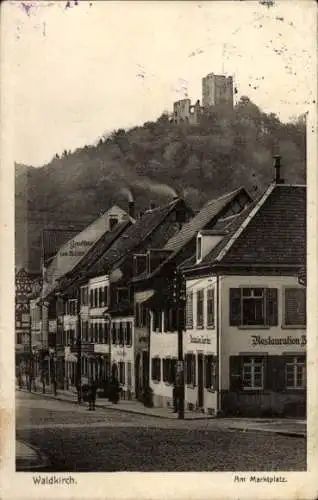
(169, 370)
(156, 369)
(190, 369)
(295, 307)
(210, 372)
(200, 316)
(189, 310)
(253, 306)
(210, 307)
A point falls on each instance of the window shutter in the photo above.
(295, 306)
(189, 310)
(235, 373)
(272, 306)
(215, 360)
(235, 307)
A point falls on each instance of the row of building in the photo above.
(112, 309)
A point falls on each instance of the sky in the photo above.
(77, 72)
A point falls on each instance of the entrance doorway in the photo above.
(200, 381)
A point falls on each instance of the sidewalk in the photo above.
(27, 457)
(285, 426)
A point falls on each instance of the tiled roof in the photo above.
(134, 235)
(274, 234)
(97, 250)
(200, 220)
(53, 239)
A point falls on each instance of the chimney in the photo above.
(131, 209)
(277, 166)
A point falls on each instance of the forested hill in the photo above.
(227, 149)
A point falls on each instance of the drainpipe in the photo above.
(218, 344)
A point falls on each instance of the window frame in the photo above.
(271, 316)
(250, 360)
(212, 300)
(294, 363)
(199, 291)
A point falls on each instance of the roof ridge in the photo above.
(225, 195)
(246, 221)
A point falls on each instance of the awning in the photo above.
(143, 296)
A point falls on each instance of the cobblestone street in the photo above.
(74, 439)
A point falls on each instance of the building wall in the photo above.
(216, 90)
(201, 340)
(249, 341)
(235, 340)
(124, 354)
(185, 112)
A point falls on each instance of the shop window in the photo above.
(253, 307)
(295, 373)
(210, 372)
(295, 307)
(200, 315)
(121, 367)
(190, 363)
(189, 310)
(253, 373)
(210, 307)
(156, 369)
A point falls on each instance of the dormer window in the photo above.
(199, 248)
(113, 221)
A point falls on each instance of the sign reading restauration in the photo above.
(258, 340)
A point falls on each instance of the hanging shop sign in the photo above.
(269, 340)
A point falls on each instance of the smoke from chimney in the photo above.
(126, 192)
(155, 187)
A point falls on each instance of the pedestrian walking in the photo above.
(92, 395)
